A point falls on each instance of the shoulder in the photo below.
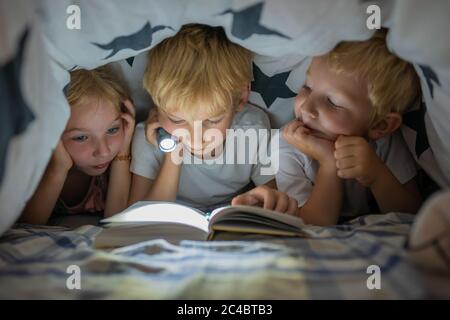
(290, 154)
(251, 116)
(394, 153)
(392, 144)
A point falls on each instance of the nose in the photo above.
(197, 135)
(102, 149)
(308, 108)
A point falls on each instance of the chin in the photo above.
(93, 172)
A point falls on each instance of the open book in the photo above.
(148, 220)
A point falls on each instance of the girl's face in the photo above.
(93, 135)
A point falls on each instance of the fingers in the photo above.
(152, 115)
(343, 141)
(129, 119)
(150, 131)
(346, 163)
(259, 195)
(344, 152)
(282, 202)
(294, 127)
(293, 206)
(245, 199)
(348, 173)
(265, 196)
(130, 108)
(268, 198)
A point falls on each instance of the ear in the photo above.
(244, 98)
(391, 122)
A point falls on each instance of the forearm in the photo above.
(391, 195)
(272, 184)
(39, 208)
(165, 185)
(118, 187)
(325, 203)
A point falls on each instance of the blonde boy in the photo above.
(199, 81)
(343, 152)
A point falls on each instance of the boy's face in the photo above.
(200, 133)
(332, 104)
(93, 135)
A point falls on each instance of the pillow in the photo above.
(429, 240)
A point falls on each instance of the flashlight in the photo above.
(166, 142)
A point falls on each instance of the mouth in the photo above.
(315, 132)
(101, 166)
(190, 149)
(308, 126)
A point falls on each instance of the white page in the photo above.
(164, 212)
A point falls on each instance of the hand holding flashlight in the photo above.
(166, 142)
(157, 136)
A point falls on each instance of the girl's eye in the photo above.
(113, 130)
(305, 87)
(80, 138)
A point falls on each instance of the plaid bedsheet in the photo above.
(332, 264)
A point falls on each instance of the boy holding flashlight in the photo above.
(199, 81)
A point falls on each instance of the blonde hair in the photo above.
(100, 83)
(197, 66)
(393, 84)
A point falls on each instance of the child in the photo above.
(344, 151)
(89, 170)
(199, 81)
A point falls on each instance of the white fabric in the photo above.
(42, 83)
(419, 34)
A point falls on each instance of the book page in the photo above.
(131, 233)
(255, 219)
(161, 212)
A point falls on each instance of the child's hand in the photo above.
(268, 198)
(128, 117)
(356, 159)
(151, 125)
(61, 159)
(302, 139)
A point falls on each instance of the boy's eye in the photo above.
(332, 103)
(80, 138)
(214, 121)
(176, 121)
(113, 130)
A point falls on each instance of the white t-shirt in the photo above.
(297, 173)
(207, 185)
